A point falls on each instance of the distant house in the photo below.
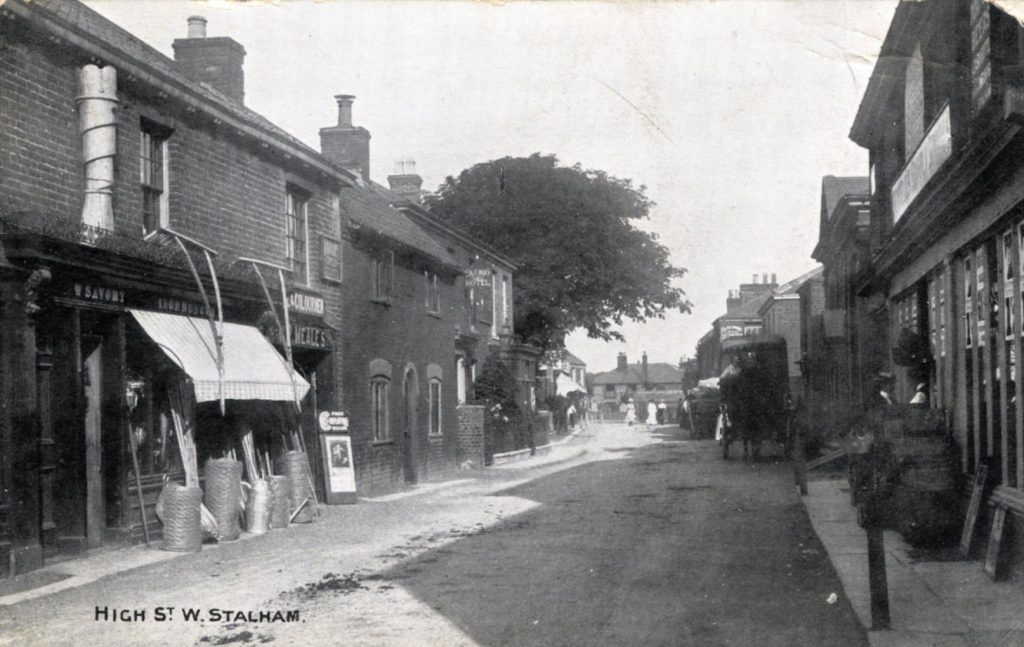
(562, 373)
(642, 380)
(781, 314)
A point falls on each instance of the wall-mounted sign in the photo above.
(339, 468)
(332, 421)
(309, 304)
(731, 331)
(312, 337)
(99, 293)
(478, 278)
(931, 154)
(180, 306)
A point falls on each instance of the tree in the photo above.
(570, 232)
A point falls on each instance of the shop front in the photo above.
(106, 358)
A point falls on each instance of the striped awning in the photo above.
(253, 369)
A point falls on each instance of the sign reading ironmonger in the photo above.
(935, 149)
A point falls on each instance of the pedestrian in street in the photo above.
(662, 412)
(652, 413)
(920, 394)
(570, 415)
(630, 412)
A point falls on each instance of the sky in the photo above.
(729, 112)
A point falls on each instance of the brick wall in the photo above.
(405, 335)
(471, 434)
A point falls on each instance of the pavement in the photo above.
(932, 603)
(64, 574)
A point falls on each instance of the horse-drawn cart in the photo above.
(755, 390)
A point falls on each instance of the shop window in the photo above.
(1008, 317)
(383, 280)
(153, 175)
(981, 313)
(434, 393)
(380, 399)
(297, 235)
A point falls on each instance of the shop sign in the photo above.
(931, 154)
(98, 293)
(180, 306)
(339, 468)
(480, 278)
(307, 304)
(311, 337)
(332, 421)
(731, 331)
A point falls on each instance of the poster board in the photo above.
(339, 468)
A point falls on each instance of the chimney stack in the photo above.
(196, 27)
(643, 360)
(764, 277)
(405, 181)
(754, 280)
(622, 362)
(346, 145)
(774, 282)
(214, 61)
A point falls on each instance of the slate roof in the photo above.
(368, 209)
(790, 287)
(834, 188)
(75, 18)
(750, 309)
(657, 373)
(573, 360)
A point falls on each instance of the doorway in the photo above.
(410, 396)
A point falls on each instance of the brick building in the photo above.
(781, 313)
(835, 365)
(941, 118)
(102, 314)
(115, 270)
(644, 381)
(742, 318)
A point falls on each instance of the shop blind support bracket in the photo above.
(286, 335)
(216, 326)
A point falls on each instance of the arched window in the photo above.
(380, 399)
(434, 377)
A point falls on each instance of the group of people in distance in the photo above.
(657, 412)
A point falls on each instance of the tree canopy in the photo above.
(570, 231)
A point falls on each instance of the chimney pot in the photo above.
(764, 277)
(196, 27)
(345, 102)
(754, 280)
(773, 278)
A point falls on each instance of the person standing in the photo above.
(662, 412)
(630, 412)
(652, 413)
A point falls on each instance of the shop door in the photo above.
(409, 393)
(95, 514)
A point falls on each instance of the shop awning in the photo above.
(565, 385)
(253, 369)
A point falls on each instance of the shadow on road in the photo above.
(656, 544)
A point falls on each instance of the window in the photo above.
(296, 235)
(968, 302)
(505, 309)
(384, 277)
(380, 394)
(460, 379)
(431, 293)
(153, 176)
(434, 388)
(495, 321)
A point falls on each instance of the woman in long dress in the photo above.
(652, 413)
(630, 413)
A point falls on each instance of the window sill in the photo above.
(435, 315)
(386, 441)
(384, 301)
(435, 438)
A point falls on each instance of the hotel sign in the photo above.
(934, 150)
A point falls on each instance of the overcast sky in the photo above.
(730, 111)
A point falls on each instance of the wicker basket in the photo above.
(178, 509)
(224, 495)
